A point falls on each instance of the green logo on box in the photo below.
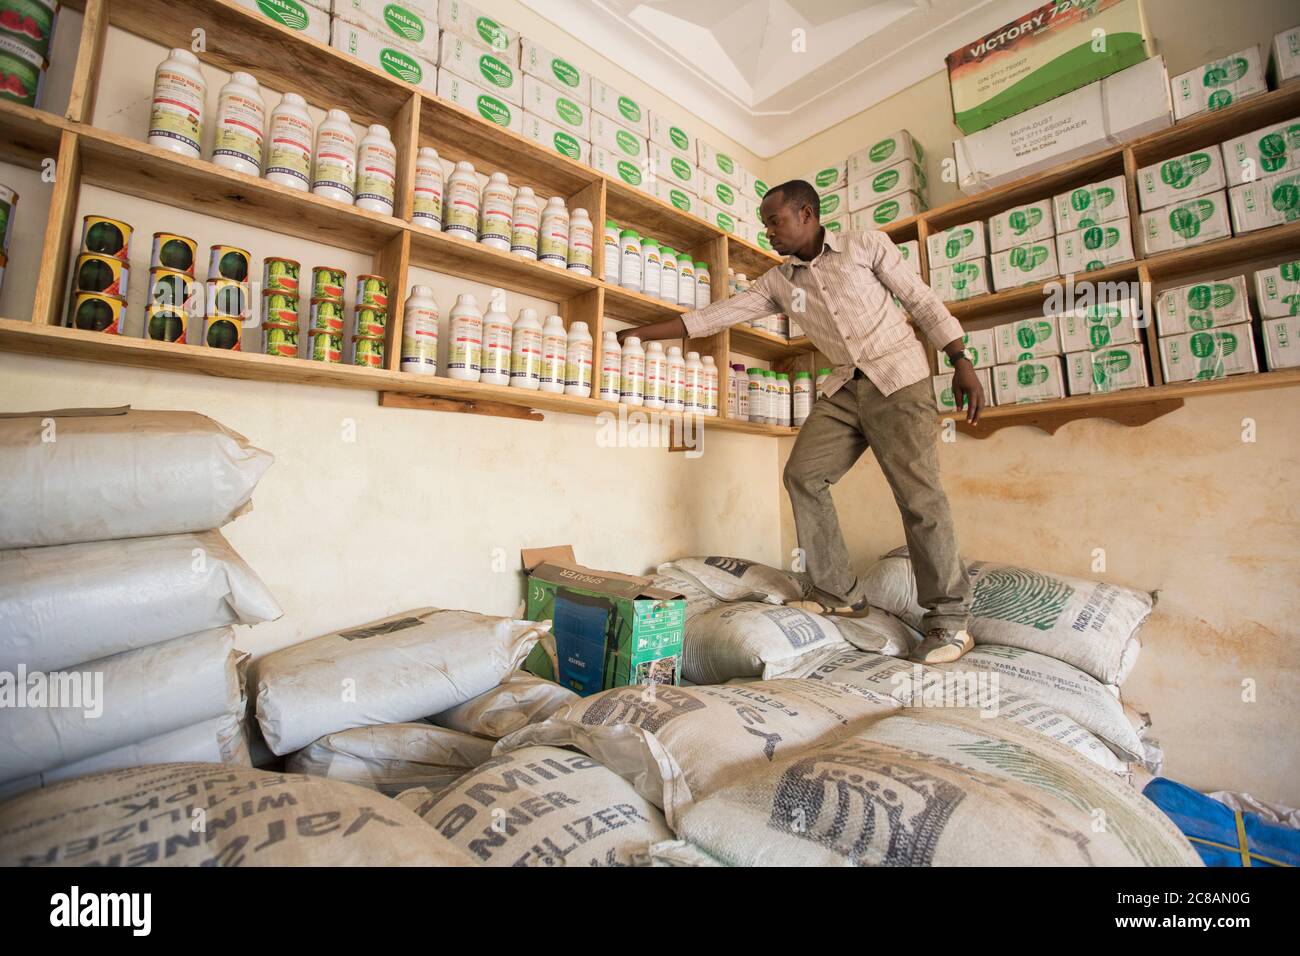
(679, 199)
(760, 188)
(1185, 220)
(1027, 258)
(681, 169)
(565, 72)
(885, 181)
(724, 194)
(404, 23)
(629, 173)
(566, 145)
(679, 138)
(492, 34)
(1226, 71)
(1286, 199)
(830, 204)
(1179, 173)
(491, 108)
(1210, 296)
(627, 143)
(826, 177)
(1022, 220)
(495, 72)
(629, 109)
(957, 241)
(885, 212)
(569, 111)
(287, 12)
(400, 65)
(882, 150)
(725, 164)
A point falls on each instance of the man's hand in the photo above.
(672, 328)
(965, 386)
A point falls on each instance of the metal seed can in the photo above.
(97, 273)
(281, 340)
(174, 252)
(280, 275)
(328, 283)
(24, 70)
(108, 237)
(98, 312)
(326, 347)
(165, 324)
(280, 308)
(370, 321)
(372, 291)
(229, 262)
(29, 24)
(171, 289)
(368, 351)
(327, 315)
(8, 207)
(223, 332)
(4, 264)
(229, 298)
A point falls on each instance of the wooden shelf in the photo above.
(762, 344)
(750, 259)
(1030, 296)
(28, 137)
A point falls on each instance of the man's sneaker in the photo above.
(859, 610)
(943, 645)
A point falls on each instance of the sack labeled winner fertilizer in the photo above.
(750, 639)
(94, 474)
(146, 816)
(1090, 624)
(542, 806)
(392, 758)
(735, 579)
(519, 700)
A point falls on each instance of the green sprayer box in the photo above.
(610, 629)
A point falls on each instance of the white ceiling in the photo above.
(743, 67)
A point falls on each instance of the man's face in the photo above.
(788, 226)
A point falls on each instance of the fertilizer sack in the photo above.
(542, 806)
(73, 603)
(751, 639)
(391, 758)
(698, 600)
(735, 579)
(145, 817)
(879, 631)
(96, 474)
(396, 669)
(1090, 624)
(520, 700)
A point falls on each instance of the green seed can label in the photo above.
(98, 312)
(329, 283)
(96, 273)
(223, 332)
(280, 275)
(280, 308)
(22, 72)
(372, 291)
(327, 315)
(165, 324)
(108, 237)
(174, 252)
(281, 340)
(326, 347)
(29, 23)
(229, 262)
(368, 351)
(370, 322)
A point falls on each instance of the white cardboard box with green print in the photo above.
(610, 629)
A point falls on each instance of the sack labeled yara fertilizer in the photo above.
(93, 474)
(392, 758)
(398, 668)
(542, 806)
(929, 787)
(752, 639)
(1203, 305)
(675, 744)
(736, 579)
(72, 603)
(187, 814)
(1091, 624)
(521, 699)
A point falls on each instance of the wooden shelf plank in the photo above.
(28, 137)
(1031, 296)
(446, 253)
(1226, 253)
(764, 345)
(637, 307)
(633, 209)
(1198, 131)
(748, 258)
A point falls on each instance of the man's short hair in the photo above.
(799, 193)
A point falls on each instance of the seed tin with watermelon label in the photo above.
(108, 237)
(8, 206)
(326, 347)
(98, 312)
(165, 324)
(178, 253)
(223, 332)
(327, 315)
(229, 262)
(280, 275)
(368, 351)
(98, 273)
(281, 340)
(372, 291)
(370, 321)
(328, 283)
(280, 308)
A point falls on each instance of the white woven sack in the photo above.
(735, 579)
(698, 600)
(879, 631)
(749, 639)
(392, 758)
(521, 699)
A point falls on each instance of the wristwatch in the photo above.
(960, 353)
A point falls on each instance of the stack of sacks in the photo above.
(117, 594)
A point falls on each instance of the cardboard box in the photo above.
(673, 136)
(902, 177)
(555, 71)
(1027, 264)
(1100, 326)
(1203, 305)
(835, 205)
(1026, 339)
(842, 224)
(721, 218)
(619, 107)
(1213, 353)
(470, 96)
(755, 188)
(1187, 223)
(829, 178)
(1277, 290)
(1095, 247)
(1265, 202)
(308, 19)
(618, 139)
(956, 244)
(610, 629)
(980, 343)
(943, 397)
(761, 240)
(911, 253)
(403, 25)
(1091, 205)
(674, 196)
(1031, 222)
(473, 24)
(554, 107)
(1284, 58)
(961, 280)
(560, 140)
(616, 166)
(1034, 380)
(1282, 342)
(719, 165)
(1107, 370)
(723, 195)
(1219, 83)
(672, 167)
(482, 67)
(1121, 107)
(898, 146)
(902, 206)
(1270, 151)
(372, 51)
(1040, 56)
(1183, 177)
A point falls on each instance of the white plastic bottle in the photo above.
(822, 375)
(497, 334)
(694, 384)
(334, 172)
(668, 275)
(611, 367)
(675, 399)
(650, 267)
(577, 362)
(656, 375)
(611, 253)
(426, 203)
(731, 281)
(461, 203)
(686, 282)
(703, 286)
(555, 345)
(629, 268)
(801, 400)
(772, 414)
(632, 380)
(553, 238)
(526, 351)
(179, 97)
(526, 220)
(582, 237)
(757, 396)
(710, 376)
(377, 171)
(465, 335)
(289, 145)
(783, 399)
(496, 213)
(241, 119)
(420, 332)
